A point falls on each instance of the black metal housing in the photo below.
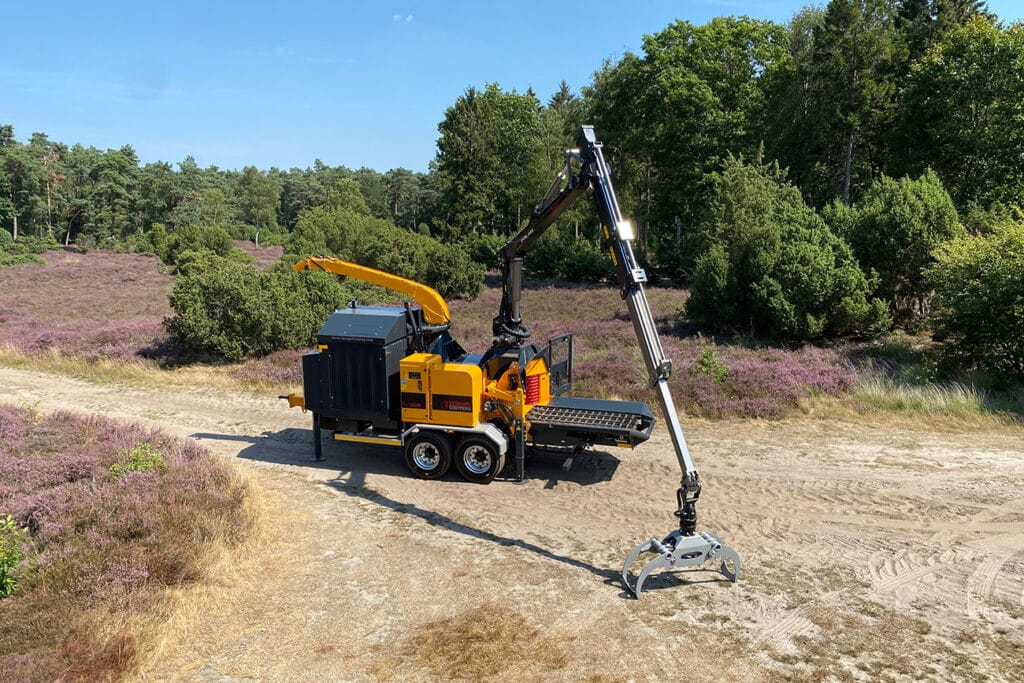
(356, 374)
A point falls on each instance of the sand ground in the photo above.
(870, 553)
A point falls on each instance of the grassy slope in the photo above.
(104, 546)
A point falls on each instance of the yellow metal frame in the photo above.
(435, 308)
(386, 440)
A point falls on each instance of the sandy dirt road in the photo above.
(869, 554)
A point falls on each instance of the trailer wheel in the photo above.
(428, 455)
(477, 460)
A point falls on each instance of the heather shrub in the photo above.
(773, 268)
(101, 547)
(978, 305)
(757, 382)
(273, 370)
(78, 313)
(893, 230)
(12, 538)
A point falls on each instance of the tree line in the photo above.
(106, 198)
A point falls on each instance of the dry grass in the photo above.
(143, 374)
(935, 410)
(265, 256)
(484, 643)
(107, 553)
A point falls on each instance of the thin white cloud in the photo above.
(408, 19)
(397, 18)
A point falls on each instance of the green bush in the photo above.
(212, 238)
(12, 538)
(893, 231)
(583, 261)
(143, 457)
(981, 221)
(189, 261)
(161, 241)
(234, 311)
(710, 363)
(375, 243)
(25, 250)
(135, 243)
(546, 255)
(978, 305)
(562, 256)
(15, 259)
(772, 266)
(485, 249)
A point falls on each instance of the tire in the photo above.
(477, 460)
(428, 455)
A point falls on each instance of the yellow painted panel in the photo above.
(455, 391)
(414, 385)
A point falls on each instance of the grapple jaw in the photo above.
(678, 550)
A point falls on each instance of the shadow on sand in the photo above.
(352, 463)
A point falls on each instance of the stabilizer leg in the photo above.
(318, 452)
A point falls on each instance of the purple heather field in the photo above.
(111, 306)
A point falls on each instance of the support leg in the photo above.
(520, 452)
(318, 454)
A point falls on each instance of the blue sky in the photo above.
(274, 84)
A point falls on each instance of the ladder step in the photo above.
(360, 438)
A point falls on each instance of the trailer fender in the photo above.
(484, 429)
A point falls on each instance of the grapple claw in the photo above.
(677, 550)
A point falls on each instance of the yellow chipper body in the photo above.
(394, 375)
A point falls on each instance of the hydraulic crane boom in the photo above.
(686, 546)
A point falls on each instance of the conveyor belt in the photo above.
(577, 416)
(571, 421)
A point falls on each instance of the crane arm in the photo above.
(586, 172)
(435, 309)
(686, 546)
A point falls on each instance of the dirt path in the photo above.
(869, 554)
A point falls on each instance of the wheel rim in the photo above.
(426, 456)
(477, 459)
